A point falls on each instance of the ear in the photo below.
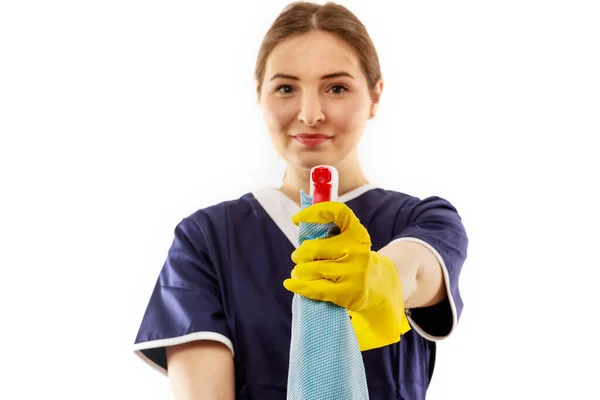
(375, 97)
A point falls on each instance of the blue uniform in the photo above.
(222, 280)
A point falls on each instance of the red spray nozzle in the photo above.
(322, 180)
(321, 175)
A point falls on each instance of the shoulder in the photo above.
(396, 197)
(407, 202)
(224, 209)
(212, 220)
(408, 208)
(401, 201)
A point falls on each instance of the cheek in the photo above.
(350, 116)
(278, 114)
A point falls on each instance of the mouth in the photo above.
(311, 139)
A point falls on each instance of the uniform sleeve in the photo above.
(436, 224)
(185, 304)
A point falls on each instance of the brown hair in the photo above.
(302, 17)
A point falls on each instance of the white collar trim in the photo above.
(281, 208)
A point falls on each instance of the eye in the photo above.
(341, 89)
(283, 87)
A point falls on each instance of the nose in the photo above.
(311, 110)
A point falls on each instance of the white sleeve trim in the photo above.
(415, 326)
(153, 344)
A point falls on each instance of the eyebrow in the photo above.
(328, 76)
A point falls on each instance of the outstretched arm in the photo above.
(420, 273)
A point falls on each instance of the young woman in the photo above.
(220, 314)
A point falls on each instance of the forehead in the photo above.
(313, 54)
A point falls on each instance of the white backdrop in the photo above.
(118, 118)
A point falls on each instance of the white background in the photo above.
(119, 118)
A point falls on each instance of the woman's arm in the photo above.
(201, 370)
(420, 273)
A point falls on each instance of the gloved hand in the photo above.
(345, 271)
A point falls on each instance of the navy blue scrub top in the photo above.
(223, 280)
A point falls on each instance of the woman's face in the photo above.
(299, 97)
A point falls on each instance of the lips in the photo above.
(311, 139)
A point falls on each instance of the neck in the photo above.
(350, 173)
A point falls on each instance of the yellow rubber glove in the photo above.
(345, 271)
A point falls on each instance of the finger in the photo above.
(323, 290)
(315, 270)
(331, 248)
(326, 212)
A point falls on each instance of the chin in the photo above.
(308, 161)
